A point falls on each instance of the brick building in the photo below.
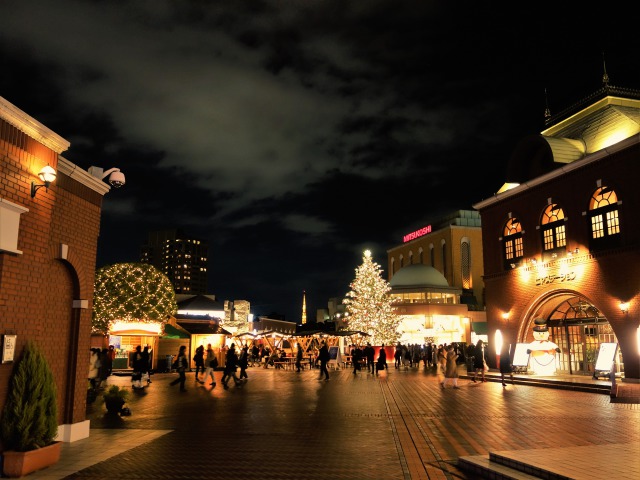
(436, 279)
(48, 245)
(561, 239)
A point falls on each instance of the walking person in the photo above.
(181, 365)
(382, 360)
(429, 355)
(479, 360)
(441, 364)
(211, 363)
(243, 363)
(145, 365)
(94, 368)
(198, 359)
(299, 358)
(323, 356)
(136, 376)
(356, 358)
(451, 369)
(230, 366)
(397, 356)
(505, 363)
(369, 353)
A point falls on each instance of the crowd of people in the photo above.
(444, 358)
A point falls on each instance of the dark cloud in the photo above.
(290, 134)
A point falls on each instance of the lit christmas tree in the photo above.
(132, 292)
(369, 306)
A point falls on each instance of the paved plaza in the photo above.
(398, 425)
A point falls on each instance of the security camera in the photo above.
(116, 179)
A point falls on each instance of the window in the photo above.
(604, 220)
(512, 241)
(421, 255)
(410, 258)
(444, 258)
(466, 263)
(554, 235)
(432, 255)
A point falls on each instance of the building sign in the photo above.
(558, 278)
(418, 233)
(606, 355)
(8, 348)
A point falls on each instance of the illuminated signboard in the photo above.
(418, 233)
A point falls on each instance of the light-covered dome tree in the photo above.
(131, 292)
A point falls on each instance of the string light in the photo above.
(131, 292)
(369, 305)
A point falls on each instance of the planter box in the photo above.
(19, 464)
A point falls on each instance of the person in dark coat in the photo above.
(243, 362)
(299, 358)
(478, 361)
(505, 364)
(369, 353)
(198, 359)
(323, 356)
(230, 367)
(181, 365)
(382, 360)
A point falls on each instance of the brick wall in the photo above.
(37, 287)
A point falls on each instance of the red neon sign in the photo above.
(418, 233)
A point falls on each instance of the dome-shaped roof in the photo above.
(418, 275)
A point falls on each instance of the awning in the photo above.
(480, 328)
(203, 328)
(172, 332)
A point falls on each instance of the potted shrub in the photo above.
(29, 422)
(115, 398)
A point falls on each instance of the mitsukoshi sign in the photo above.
(418, 233)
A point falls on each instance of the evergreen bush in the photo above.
(30, 416)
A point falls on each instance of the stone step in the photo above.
(480, 466)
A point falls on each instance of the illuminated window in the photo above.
(512, 241)
(553, 228)
(603, 218)
(466, 263)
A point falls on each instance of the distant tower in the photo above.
(304, 307)
(180, 257)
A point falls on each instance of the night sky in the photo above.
(292, 135)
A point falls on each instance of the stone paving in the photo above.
(398, 425)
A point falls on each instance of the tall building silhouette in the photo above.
(182, 258)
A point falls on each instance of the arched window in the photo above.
(393, 265)
(421, 255)
(410, 258)
(444, 258)
(465, 251)
(432, 255)
(401, 261)
(603, 215)
(513, 242)
(554, 235)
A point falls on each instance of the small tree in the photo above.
(30, 416)
(131, 291)
(369, 306)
